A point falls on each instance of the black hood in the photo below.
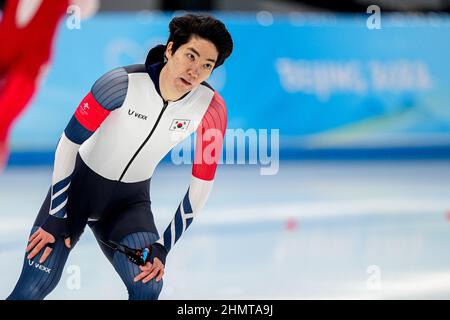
(154, 63)
(155, 55)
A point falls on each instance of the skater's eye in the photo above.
(207, 66)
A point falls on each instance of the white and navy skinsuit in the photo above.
(103, 165)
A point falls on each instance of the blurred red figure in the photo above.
(27, 30)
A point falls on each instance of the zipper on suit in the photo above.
(145, 141)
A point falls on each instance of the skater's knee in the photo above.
(37, 280)
(30, 292)
(145, 291)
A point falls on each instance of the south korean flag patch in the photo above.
(179, 125)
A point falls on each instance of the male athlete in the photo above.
(132, 117)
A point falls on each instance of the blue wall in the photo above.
(333, 87)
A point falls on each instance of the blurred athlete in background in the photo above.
(27, 30)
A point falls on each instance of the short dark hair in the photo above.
(204, 26)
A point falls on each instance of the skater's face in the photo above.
(190, 65)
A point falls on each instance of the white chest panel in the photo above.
(117, 141)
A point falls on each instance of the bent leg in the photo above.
(15, 94)
(37, 280)
(128, 270)
(135, 228)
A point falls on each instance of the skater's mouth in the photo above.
(185, 82)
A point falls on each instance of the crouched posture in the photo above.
(131, 118)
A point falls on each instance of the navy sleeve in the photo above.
(110, 90)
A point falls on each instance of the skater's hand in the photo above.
(39, 240)
(149, 271)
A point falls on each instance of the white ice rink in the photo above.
(316, 230)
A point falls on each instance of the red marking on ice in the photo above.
(291, 224)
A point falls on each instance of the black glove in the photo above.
(142, 256)
(139, 256)
(157, 250)
(57, 227)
